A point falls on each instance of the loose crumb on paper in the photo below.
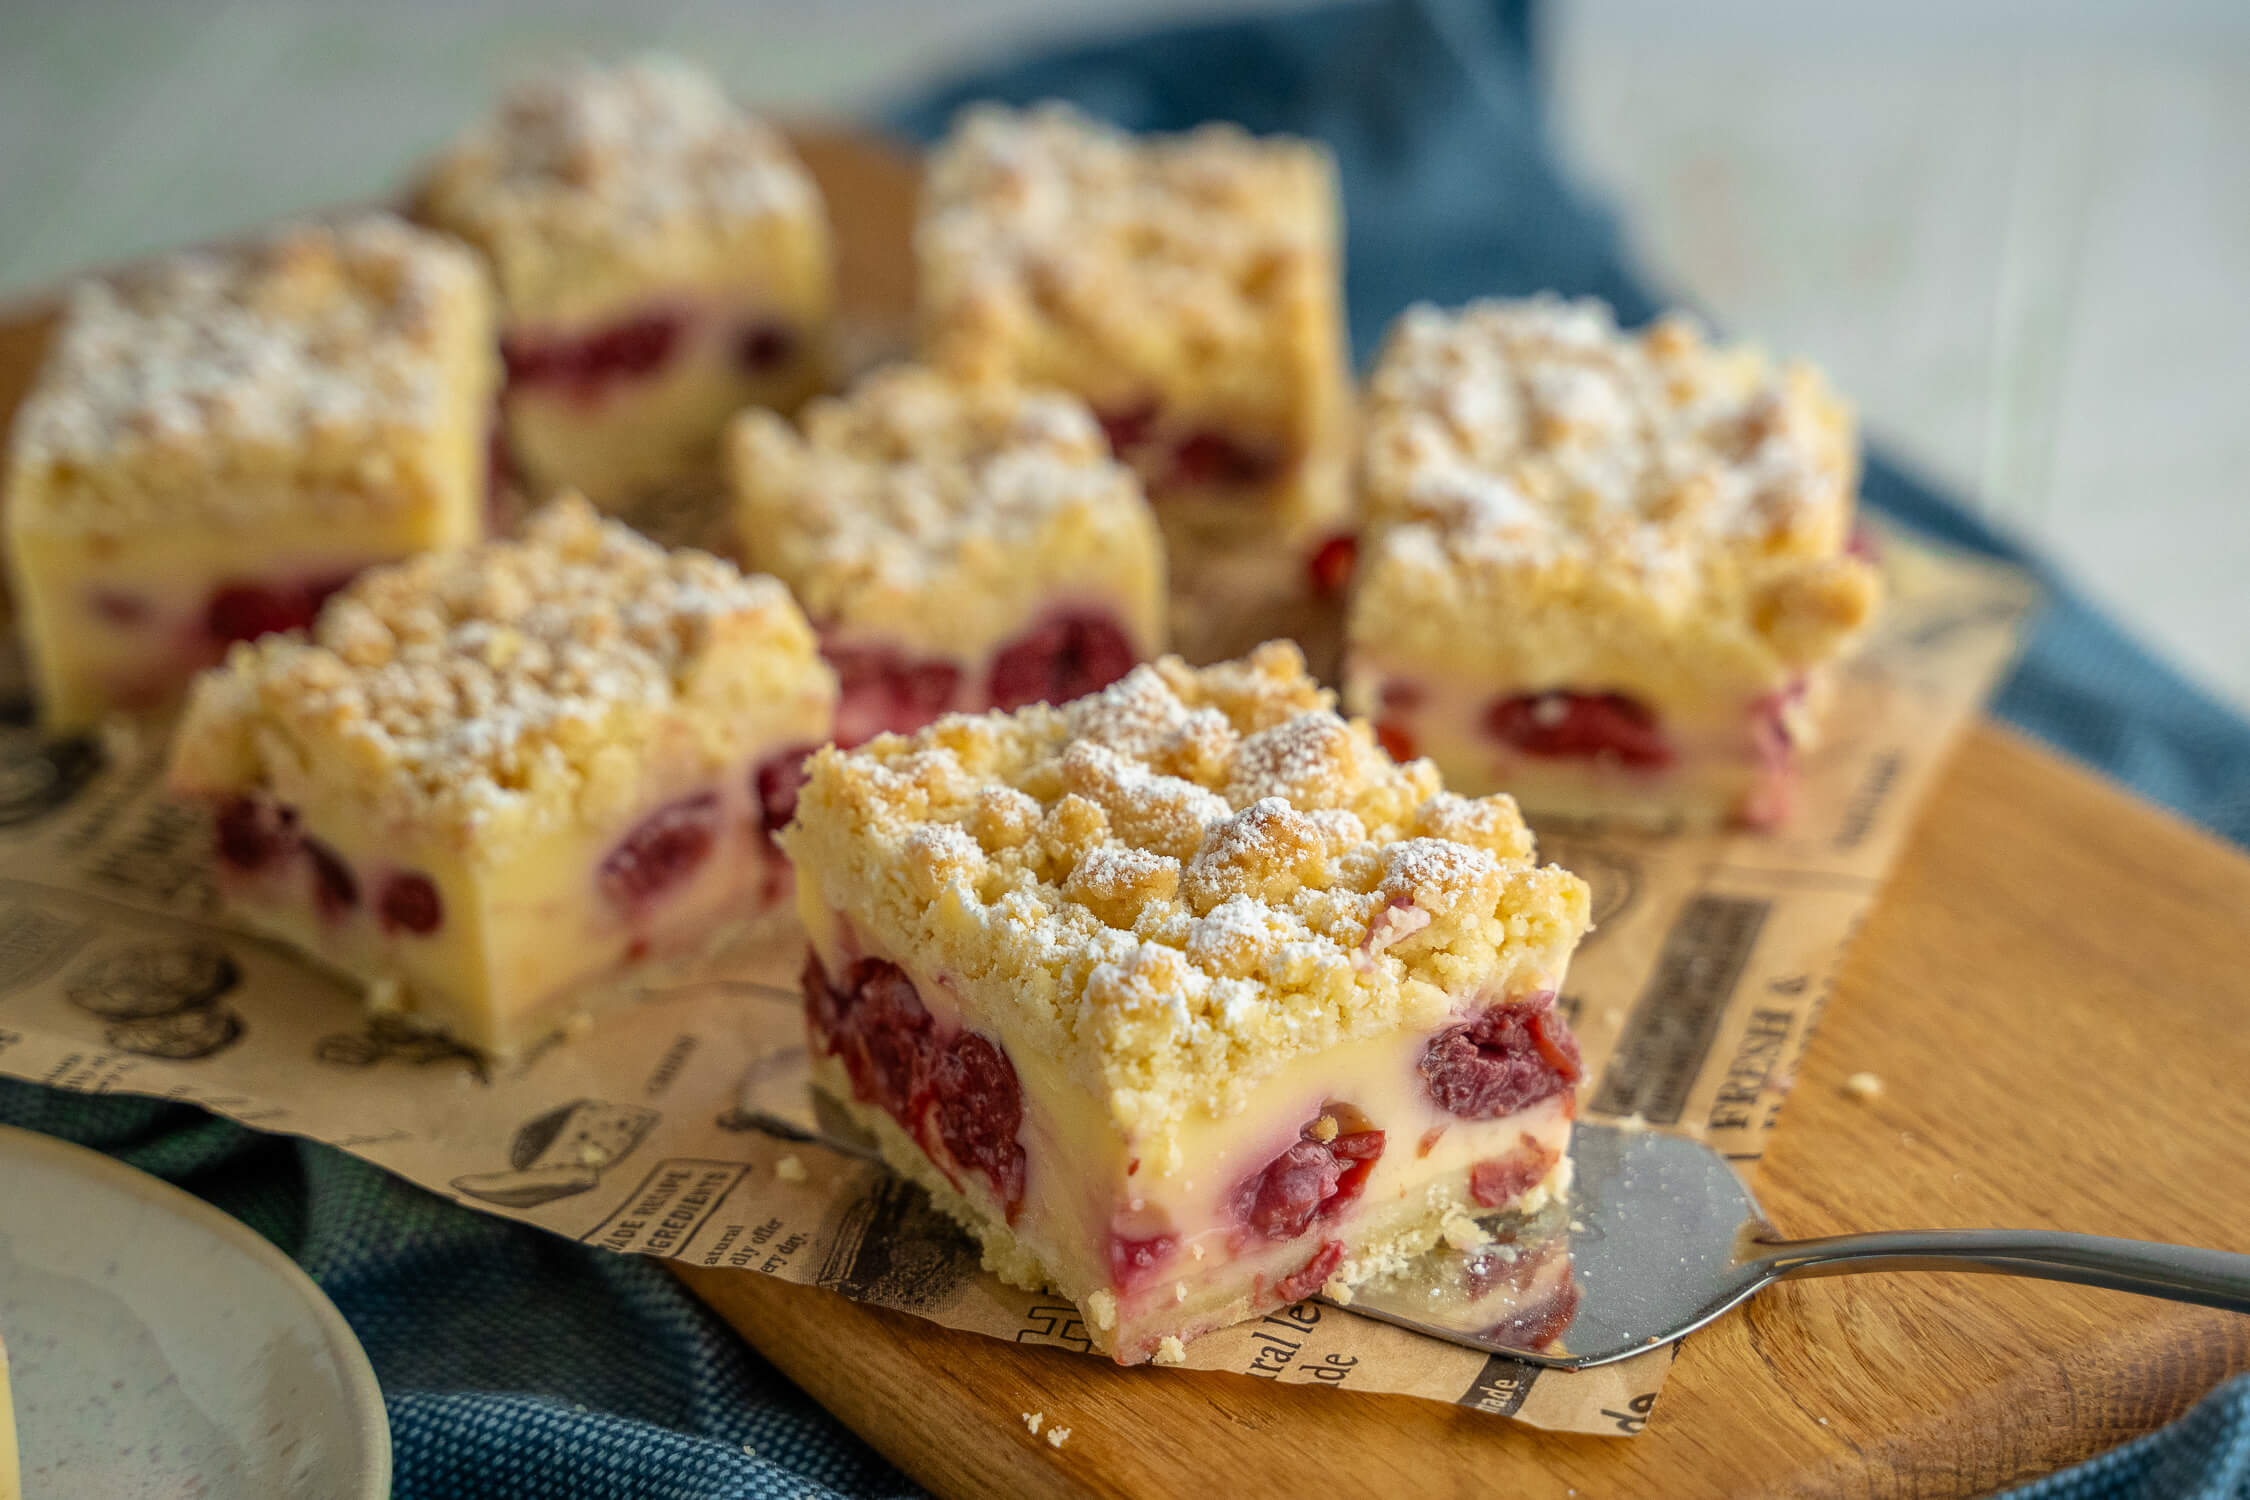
(789, 1169)
(1101, 1306)
(1032, 1419)
(1169, 1351)
(1057, 1436)
(1864, 1086)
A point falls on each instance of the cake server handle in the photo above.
(2182, 1273)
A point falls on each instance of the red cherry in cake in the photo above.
(1312, 1179)
(1068, 657)
(776, 783)
(1396, 739)
(1133, 1261)
(896, 1047)
(662, 850)
(1332, 564)
(1580, 725)
(979, 1108)
(115, 607)
(1309, 1278)
(884, 690)
(335, 888)
(1501, 1180)
(253, 834)
(1504, 1058)
(1205, 457)
(762, 348)
(1127, 427)
(409, 903)
(627, 350)
(244, 611)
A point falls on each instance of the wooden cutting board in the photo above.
(2054, 988)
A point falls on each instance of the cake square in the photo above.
(1188, 287)
(1609, 572)
(662, 260)
(1184, 998)
(492, 777)
(218, 442)
(959, 546)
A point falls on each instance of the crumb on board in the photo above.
(1170, 1351)
(1057, 1436)
(1864, 1086)
(1032, 1419)
(789, 1169)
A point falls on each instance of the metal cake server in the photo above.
(1657, 1238)
(1663, 1238)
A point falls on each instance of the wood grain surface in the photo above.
(2053, 988)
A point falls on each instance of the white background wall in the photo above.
(2017, 232)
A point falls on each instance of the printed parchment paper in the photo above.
(1692, 999)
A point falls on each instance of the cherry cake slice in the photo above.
(1610, 573)
(1185, 998)
(662, 259)
(495, 783)
(220, 441)
(961, 546)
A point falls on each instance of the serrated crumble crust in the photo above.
(975, 538)
(490, 775)
(1605, 570)
(1195, 936)
(219, 439)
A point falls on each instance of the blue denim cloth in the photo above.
(520, 1365)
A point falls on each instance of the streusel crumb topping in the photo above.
(321, 337)
(1185, 238)
(584, 156)
(912, 476)
(1188, 878)
(1551, 433)
(508, 686)
(1530, 452)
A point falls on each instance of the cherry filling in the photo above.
(1332, 565)
(897, 1057)
(255, 835)
(1580, 726)
(1501, 1180)
(335, 888)
(586, 365)
(1310, 1277)
(1198, 456)
(1312, 1180)
(776, 783)
(1399, 699)
(1515, 1269)
(662, 850)
(883, 689)
(979, 1112)
(1504, 1058)
(1133, 1262)
(1069, 656)
(409, 903)
(240, 611)
(762, 348)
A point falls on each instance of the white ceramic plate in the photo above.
(160, 1348)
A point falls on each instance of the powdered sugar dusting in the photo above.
(317, 335)
(1535, 434)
